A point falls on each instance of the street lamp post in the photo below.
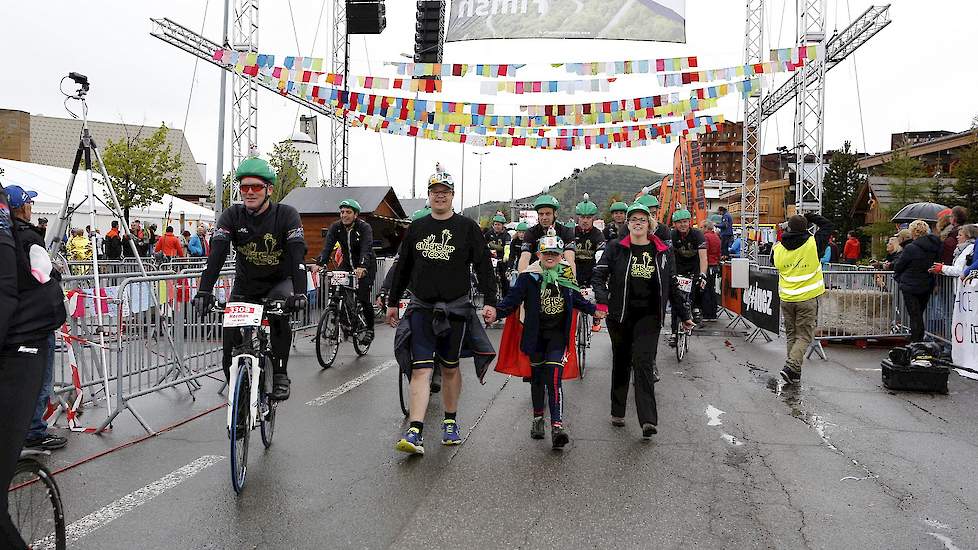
(512, 191)
(481, 154)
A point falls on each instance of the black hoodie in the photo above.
(912, 265)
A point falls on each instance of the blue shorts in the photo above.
(426, 346)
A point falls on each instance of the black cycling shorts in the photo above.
(426, 347)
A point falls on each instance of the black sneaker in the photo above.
(672, 340)
(790, 376)
(697, 316)
(368, 337)
(281, 387)
(617, 421)
(648, 430)
(559, 437)
(537, 428)
(47, 442)
(655, 373)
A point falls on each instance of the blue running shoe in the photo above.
(412, 442)
(450, 433)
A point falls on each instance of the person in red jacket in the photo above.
(169, 244)
(713, 250)
(852, 250)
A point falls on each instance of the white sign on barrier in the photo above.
(964, 324)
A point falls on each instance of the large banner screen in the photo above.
(657, 20)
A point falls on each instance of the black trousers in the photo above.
(634, 344)
(364, 289)
(916, 305)
(503, 279)
(21, 373)
(709, 300)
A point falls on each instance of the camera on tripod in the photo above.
(81, 80)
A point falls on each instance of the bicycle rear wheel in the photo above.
(240, 430)
(583, 328)
(360, 343)
(268, 419)
(328, 338)
(402, 381)
(34, 505)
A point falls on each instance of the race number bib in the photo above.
(242, 314)
(339, 278)
(685, 284)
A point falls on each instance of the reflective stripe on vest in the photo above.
(800, 272)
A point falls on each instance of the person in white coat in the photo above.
(963, 253)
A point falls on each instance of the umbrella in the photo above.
(926, 211)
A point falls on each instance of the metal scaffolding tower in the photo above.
(244, 90)
(809, 110)
(750, 193)
(339, 131)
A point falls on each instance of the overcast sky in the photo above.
(918, 74)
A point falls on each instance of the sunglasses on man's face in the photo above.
(251, 187)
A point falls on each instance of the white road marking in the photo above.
(948, 543)
(117, 509)
(714, 414)
(340, 390)
(868, 370)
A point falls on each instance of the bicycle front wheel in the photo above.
(328, 338)
(682, 344)
(583, 326)
(240, 430)
(34, 505)
(402, 381)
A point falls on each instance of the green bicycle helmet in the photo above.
(351, 204)
(255, 167)
(638, 207)
(418, 214)
(499, 218)
(681, 215)
(546, 201)
(619, 206)
(522, 226)
(650, 201)
(586, 207)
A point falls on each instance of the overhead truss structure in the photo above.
(750, 193)
(244, 91)
(339, 137)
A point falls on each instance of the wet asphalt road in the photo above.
(739, 462)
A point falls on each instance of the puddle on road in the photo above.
(731, 440)
(946, 541)
(936, 524)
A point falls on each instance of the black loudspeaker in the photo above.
(429, 31)
(365, 16)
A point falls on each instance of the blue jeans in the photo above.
(39, 428)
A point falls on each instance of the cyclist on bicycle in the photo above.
(546, 207)
(498, 239)
(690, 250)
(31, 309)
(437, 256)
(270, 263)
(588, 239)
(617, 228)
(356, 239)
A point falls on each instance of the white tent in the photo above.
(51, 183)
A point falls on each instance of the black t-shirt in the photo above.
(531, 239)
(587, 245)
(553, 309)
(643, 281)
(260, 243)
(497, 242)
(687, 251)
(665, 234)
(614, 231)
(435, 257)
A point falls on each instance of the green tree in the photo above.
(840, 185)
(142, 170)
(291, 171)
(905, 171)
(966, 173)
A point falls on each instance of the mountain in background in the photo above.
(600, 181)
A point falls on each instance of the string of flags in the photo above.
(728, 73)
(519, 87)
(642, 66)
(455, 69)
(798, 55)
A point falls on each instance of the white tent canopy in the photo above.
(51, 183)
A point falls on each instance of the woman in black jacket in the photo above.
(916, 283)
(633, 281)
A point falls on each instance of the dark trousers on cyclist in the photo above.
(634, 343)
(364, 289)
(547, 368)
(709, 300)
(21, 373)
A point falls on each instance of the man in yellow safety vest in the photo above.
(800, 284)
